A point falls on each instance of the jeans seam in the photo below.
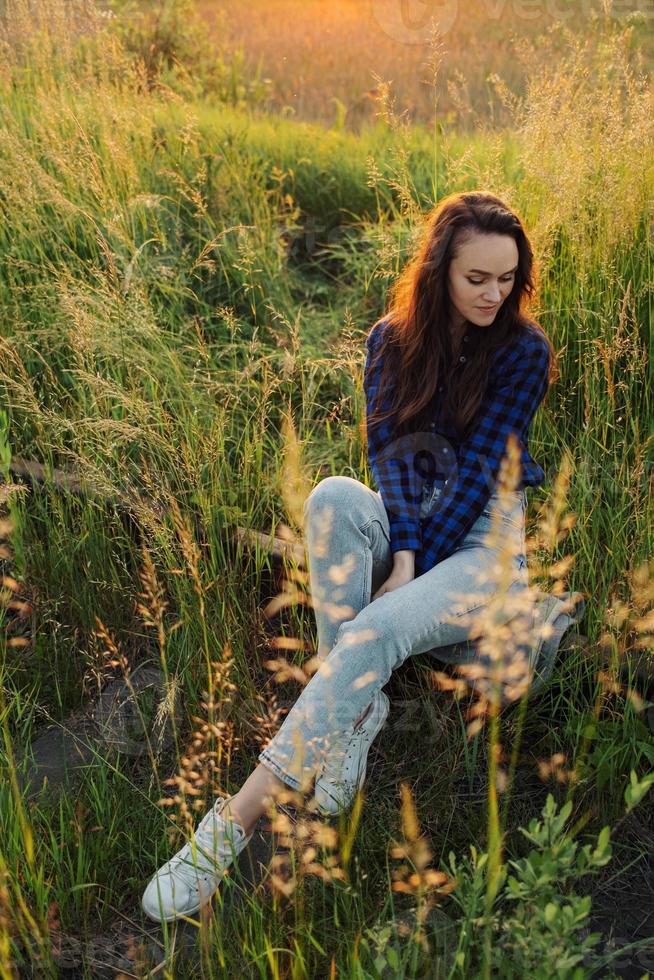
(368, 556)
(277, 770)
(464, 612)
(367, 574)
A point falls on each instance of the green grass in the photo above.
(178, 279)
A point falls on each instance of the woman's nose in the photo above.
(493, 295)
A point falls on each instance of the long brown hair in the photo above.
(417, 349)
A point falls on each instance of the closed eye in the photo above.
(478, 282)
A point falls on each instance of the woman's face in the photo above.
(482, 275)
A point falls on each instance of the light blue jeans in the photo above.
(360, 643)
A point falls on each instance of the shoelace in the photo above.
(333, 767)
(183, 863)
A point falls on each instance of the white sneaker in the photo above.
(344, 771)
(186, 882)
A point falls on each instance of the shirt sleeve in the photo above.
(509, 405)
(391, 460)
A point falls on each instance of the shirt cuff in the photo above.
(405, 535)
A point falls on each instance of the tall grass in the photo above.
(185, 290)
(441, 58)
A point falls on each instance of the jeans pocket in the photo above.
(380, 543)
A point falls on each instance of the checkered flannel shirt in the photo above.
(468, 470)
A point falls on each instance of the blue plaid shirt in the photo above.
(467, 471)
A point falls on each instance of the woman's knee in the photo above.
(338, 492)
(368, 647)
(374, 623)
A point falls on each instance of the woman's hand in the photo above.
(401, 575)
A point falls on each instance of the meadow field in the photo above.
(448, 59)
(190, 259)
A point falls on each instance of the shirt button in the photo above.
(432, 425)
(462, 358)
(440, 387)
(446, 450)
(465, 339)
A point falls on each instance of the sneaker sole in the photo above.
(171, 918)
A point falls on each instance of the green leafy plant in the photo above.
(637, 789)
(537, 924)
(170, 39)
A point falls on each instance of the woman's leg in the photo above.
(422, 615)
(348, 544)
(426, 613)
(261, 787)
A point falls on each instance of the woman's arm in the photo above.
(509, 405)
(392, 462)
(404, 559)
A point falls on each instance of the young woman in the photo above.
(451, 371)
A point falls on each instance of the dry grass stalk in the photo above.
(311, 845)
(414, 876)
(200, 774)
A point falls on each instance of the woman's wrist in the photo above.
(404, 559)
